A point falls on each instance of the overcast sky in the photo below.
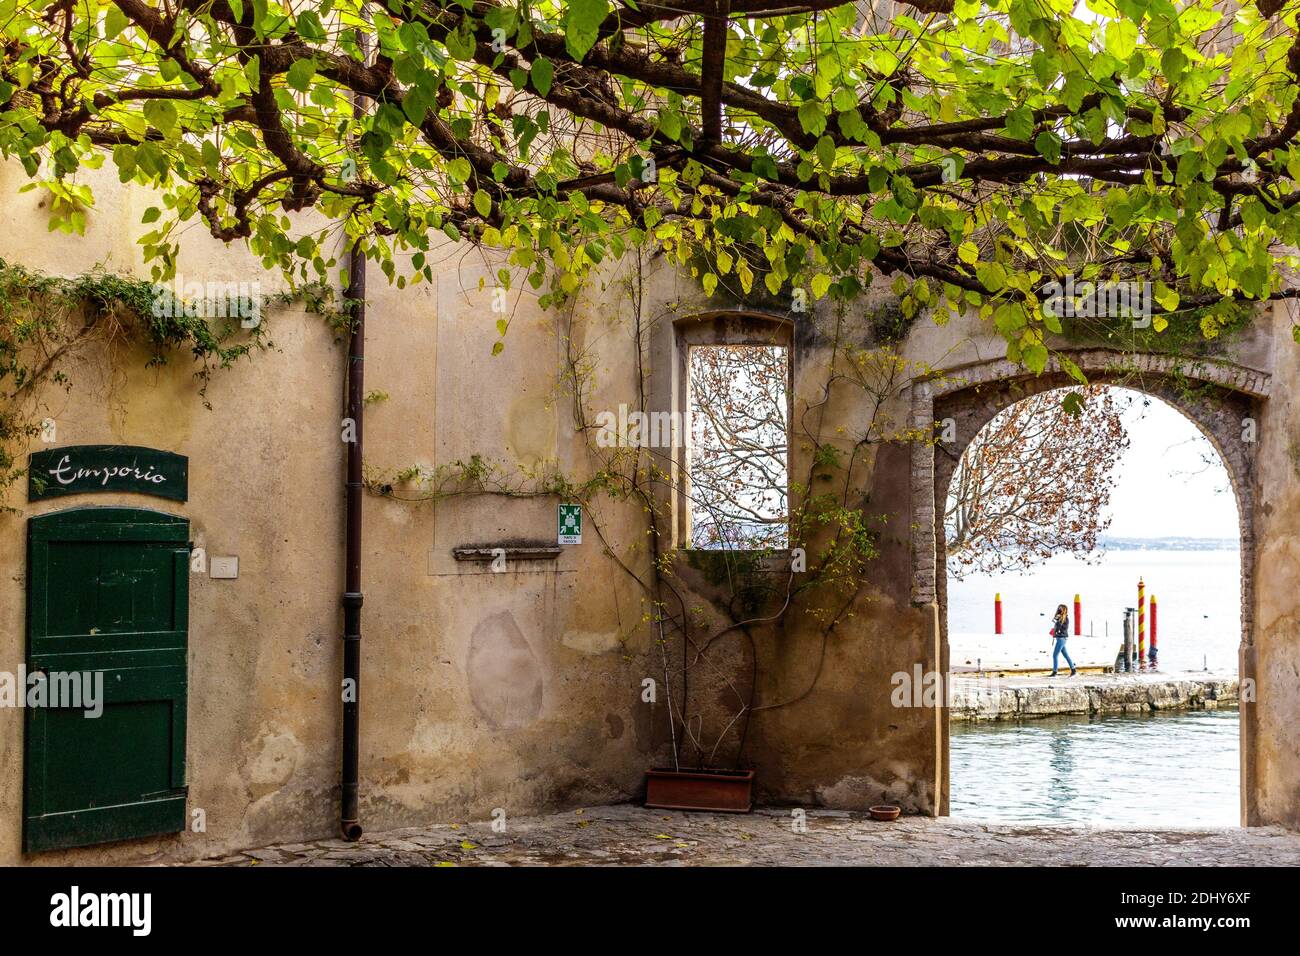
(1171, 481)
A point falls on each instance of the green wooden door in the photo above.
(107, 594)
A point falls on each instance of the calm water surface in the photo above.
(1162, 770)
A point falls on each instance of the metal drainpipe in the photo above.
(349, 774)
(352, 598)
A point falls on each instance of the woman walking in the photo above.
(1060, 631)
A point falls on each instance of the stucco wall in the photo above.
(519, 690)
(479, 690)
(1272, 755)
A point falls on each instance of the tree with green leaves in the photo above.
(967, 152)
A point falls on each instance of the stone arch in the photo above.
(1216, 396)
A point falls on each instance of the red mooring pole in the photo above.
(1078, 616)
(997, 614)
(1152, 657)
(1142, 625)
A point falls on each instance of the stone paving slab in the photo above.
(632, 835)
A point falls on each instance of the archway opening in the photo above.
(1046, 501)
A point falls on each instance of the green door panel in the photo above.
(108, 601)
(135, 592)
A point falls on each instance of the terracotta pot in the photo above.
(885, 811)
(721, 791)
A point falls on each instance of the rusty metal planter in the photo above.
(721, 791)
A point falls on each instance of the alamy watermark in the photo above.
(209, 300)
(74, 690)
(926, 689)
(1113, 299)
(632, 428)
(77, 909)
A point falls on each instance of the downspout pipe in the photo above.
(349, 824)
(355, 297)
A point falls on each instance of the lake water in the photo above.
(1169, 770)
(1199, 596)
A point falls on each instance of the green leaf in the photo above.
(1035, 358)
(826, 152)
(1121, 38)
(853, 125)
(459, 169)
(461, 42)
(482, 203)
(300, 74)
(582, 25)
(161, 114)
(1009, 318)
(1020, 123)
(812, 117)
(1165, 297)
(115, 21)
(1173, 62)
(745, 275)
(992, 275)
(542, 72)
(310, 27)
(1048, 145)
(1072, 370)
(670, 123)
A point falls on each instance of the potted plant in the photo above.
(723, 791)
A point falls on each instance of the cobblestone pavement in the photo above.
(631, 835)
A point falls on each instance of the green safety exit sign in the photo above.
(570, 524)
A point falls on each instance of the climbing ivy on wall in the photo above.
(45, 320)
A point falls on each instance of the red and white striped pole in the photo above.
(1142, 625)
(1078, 616)
(1153, 632)
(997, 613)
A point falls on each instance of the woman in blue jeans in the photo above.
(1060, 631)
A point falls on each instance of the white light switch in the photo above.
(224, 567)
